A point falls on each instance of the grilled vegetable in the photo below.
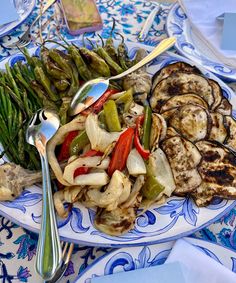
(217, 93)
(230, 124)
(218, 171)
(111, 116)
(141, 150)
(78, 143)
(159, 176)
(191, 122)
(173, 68)
(218, 130)
(181, 83)
(158, 131)
(225, 108)
(184, 158)
(135, 163)
(184, 99)
(121, 151)
(147, 124)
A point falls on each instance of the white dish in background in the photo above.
(23, 13)
(132, 258)
(176, 218)
(190, 45)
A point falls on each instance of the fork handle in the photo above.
(45, 8)
(164, 45)
(49, 254)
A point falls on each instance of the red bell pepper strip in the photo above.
(141, 150)
(65, 147)
(97, 106)
(121, 151)
(85, 170)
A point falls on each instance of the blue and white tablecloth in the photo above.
(17, 245)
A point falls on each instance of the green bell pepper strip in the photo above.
(78, 143)
(126, 99)
(147, 127)
(111, 116)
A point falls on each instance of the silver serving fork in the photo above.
(67, 251)
(25, 39)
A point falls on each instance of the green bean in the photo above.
(11, 80)
(95, 62)
(21, 140)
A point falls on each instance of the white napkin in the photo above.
(202, 16)
(197, 266)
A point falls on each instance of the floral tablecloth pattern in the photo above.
(17, 245)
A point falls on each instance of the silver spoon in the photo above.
(41, 129)
(92, 90)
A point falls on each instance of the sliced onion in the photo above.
(99, 138)
(90, 162)
(135, 163)
(92, 179)
(76, 124)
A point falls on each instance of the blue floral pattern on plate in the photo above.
(127, 259)
(188, 45)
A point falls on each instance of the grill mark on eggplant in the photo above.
(173, 68)
(178, 84)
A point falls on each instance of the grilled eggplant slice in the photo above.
(191, 121)
(180, 100)
(178, 84)
(186, 181)
(173, 68)
(158, 131)
(171, 132)
(170, 113)
(225, 108)
(217, 170)
(184, 158)
(181, 153)
(218, 131)
(230, 123)
(217, 93)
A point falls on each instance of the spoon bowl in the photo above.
(92, 90)
(42, 127)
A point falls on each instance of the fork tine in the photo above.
(69, 253)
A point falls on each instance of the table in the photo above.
(18, 246)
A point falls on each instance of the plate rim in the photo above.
(191, 239)
(18, 23)
(117, 244)
(228, 78)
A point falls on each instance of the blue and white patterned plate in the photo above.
(189, 44)
(127, 259)
(176, 218)
(24, 11)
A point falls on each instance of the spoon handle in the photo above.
(162, 46)
(49, 253)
